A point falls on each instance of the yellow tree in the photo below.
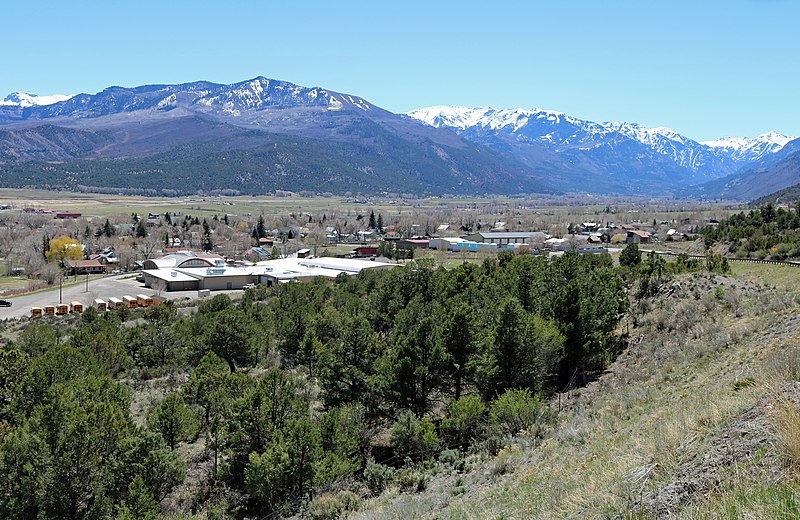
(64, 248)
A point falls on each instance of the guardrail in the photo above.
(731, 259)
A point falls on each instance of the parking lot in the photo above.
(105, 288)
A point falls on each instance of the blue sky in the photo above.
(704, 68)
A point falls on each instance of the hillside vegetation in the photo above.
(519, 387)
(764, 233)
(698, 418)
(260, 408)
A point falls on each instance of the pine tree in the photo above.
(108, 229)
(141, 230)
(207, 245)
(372, 223)
(261, 230)
(174, 420)
(380, 223)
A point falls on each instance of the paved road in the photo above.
(117, 286)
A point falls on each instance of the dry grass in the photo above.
(786, 418)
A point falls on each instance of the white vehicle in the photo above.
(249, 286)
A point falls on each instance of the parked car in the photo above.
(249, 286)
(5, 303)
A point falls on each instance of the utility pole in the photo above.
(60, 281)
(87, 283)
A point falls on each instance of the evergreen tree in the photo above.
(630, 256)
(141, 230)
(108, 229)
(458, 339)
(261, 229)
(372, 223)
(416, 363)
(207, 243)
(173, 420)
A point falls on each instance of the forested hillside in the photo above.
(291, 392)
(764, 233)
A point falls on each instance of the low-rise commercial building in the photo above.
(268, 272)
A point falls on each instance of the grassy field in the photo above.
(779, 276)
(567, 209)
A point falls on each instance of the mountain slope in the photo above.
(270, 134)
(622, 156)
(790, 195)
(755, 182)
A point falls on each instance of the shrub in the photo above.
(518, 410)
(449, 457)
(378, 477)
(413, 438)
(412, 480)
(329, 506)
(506, 460)
(465, 421)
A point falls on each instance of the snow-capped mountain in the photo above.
(249, 101)
(25, 100)
(253, 136)
(609, 147)
(751, 148)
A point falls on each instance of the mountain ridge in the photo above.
(469, 150)
(166, 130)
(561, 132)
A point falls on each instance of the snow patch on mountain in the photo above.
(747, 147)
(25, 99)
(557, 131)
(486, 117)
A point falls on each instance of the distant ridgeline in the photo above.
(263, 135)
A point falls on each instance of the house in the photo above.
(637, 236)
(76, 267)
(674, 234)
(413, 243)
(589, 226)
(303, 253)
